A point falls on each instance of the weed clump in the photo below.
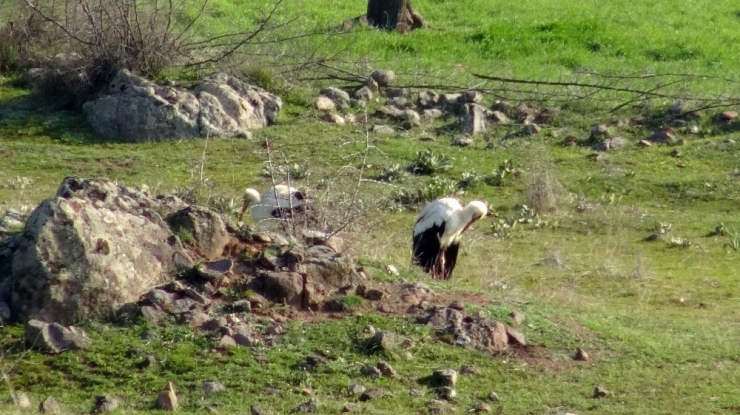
(429, 163)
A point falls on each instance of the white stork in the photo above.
(277, 202)
(438, 231)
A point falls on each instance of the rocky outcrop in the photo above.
(91, 249)
(135, 109)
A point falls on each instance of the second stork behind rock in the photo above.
(280, 201)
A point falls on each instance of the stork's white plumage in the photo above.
(437, 234)
(277, 202)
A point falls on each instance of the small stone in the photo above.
(383, 129)
(105, 404)
(412, 117)
(462, 141)
(501, 106)
(447, 393)
(600, 392)
(445, 377)
(371, 84)
(227, 342)
(21, 400)
(373, 295)
(468, 369)
(167, 399)
(416, 393)
(728, 115)
(324, 104)
(493, 396)
(256, 410)
(49, 406)
(333, 118)
(676, 108)
(600, 131)
(531, 129)
(516, 337)
(370, 371)
(581, 355)
(644, 143)
(383, 77)
(391, 269)
(472, 97)
(386, 369)
(243, 306)
(356, 389)
(499, 117)
(473, 119)
(397, 93)
(432, 113)
(197, 319)
(517, 317)
(216, 323)
(457, 305)
(371, 394)
(481, 407)
(348, 407)
(212, 387)
(309, 406)
(335, 94)
(428, 99)
(364, 94)
(665, 135)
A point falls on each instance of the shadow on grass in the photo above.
(31, 115)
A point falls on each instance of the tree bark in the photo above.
(395, 15)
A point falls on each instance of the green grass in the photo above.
(659, 321)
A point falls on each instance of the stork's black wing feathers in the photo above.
(450, 259)
(426, 247)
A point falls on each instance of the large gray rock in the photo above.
(93, 248)
(229, 106)
(135, 109)
(206, 228)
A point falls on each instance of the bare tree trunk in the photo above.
(395, 15)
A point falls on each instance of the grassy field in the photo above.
(660, 320)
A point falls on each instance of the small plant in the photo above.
(734, 243)
(469, 180)
(429, 163)
(436, 188)
(349, 302)
(659, 231)
(392, 174)
(524, 215)
(187, 194)
(185, 235)
(504, 171)
(679, 242)
(225, 204)
(719, 230)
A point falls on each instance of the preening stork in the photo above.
(277, 202)
(438, 231)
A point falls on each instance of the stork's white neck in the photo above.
(472, 212)
(252, 196)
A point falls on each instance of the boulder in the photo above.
(205, 227)
(93, 248)
(135, 109)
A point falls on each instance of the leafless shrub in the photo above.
(90, 40)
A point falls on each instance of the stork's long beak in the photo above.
(245, 206)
